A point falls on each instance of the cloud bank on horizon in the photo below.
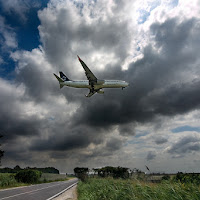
(153, 45)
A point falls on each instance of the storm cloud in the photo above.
(185, 145)
(164, 82)
(160, 140)
(158, 82)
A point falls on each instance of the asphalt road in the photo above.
(36, 192)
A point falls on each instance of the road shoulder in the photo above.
(70, 194)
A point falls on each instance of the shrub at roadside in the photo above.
(7, 180)
(187, 178)
(166, 177)
(28, 176)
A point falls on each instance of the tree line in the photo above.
(125, 173)
(17, 169)
(108, 171)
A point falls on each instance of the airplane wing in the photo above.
(90, 93)
(90, 76)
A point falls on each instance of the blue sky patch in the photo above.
(144, 14)
(133, 141)
(140, 134)
(185, 128)
(173, 3)
(26, 33)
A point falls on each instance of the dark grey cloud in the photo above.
(176, 99)
(161, 140)
(127, 129)
(39, 84)
(157, 81)
(172, 38)
(185, 145)
(13, 122)
(114, 144)
(151, 155)
(67, 138)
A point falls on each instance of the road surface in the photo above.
(36, 192)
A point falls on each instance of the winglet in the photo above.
(79, 58)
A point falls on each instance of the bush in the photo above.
(166, 177)
(187, 178)
(7, 180)
(28, 176)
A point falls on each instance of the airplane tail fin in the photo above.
(60, 81)
(63, 76)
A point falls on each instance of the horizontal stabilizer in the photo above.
(60, 81)
(100, 91)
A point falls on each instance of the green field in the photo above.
(117, 189)
(47, 177)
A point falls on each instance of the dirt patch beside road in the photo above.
(70, 194)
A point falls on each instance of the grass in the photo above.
(116, 189)
(8, 180)
(47, 177)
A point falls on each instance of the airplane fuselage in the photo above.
(102, 84)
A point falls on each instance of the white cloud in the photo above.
(19, 7)
(9, 36)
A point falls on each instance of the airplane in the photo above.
(94, 84)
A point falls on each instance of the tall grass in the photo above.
(110, 189)
(8, 180)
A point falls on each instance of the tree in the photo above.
(81, 173)
(17, 168)
(115, 172)
(1, 152)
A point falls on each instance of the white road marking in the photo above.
(26, 186)
(31, 191)
(62, 191)
(1, 190)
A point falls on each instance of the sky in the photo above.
(153, 45)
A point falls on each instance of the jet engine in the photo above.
(100, 91)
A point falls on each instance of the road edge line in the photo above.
(56, 195)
